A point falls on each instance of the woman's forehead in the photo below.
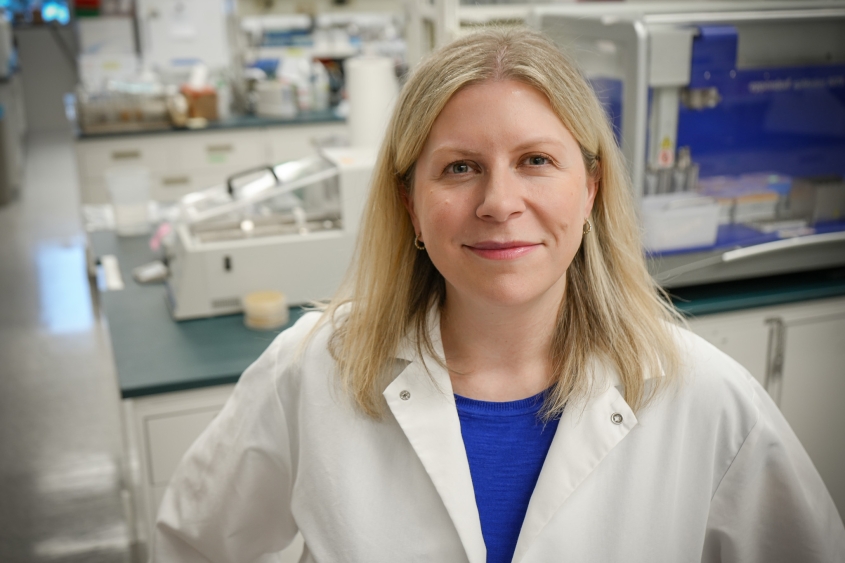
(493, 112)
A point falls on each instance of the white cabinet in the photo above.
(797, 352)
(187, 161)
(158, 430)
(743, 336)
(813, 392)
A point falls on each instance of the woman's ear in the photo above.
(592, 190)
(408, 202)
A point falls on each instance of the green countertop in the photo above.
(760, 292)
(154, 354)
(233, 122)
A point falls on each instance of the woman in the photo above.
(498, 379)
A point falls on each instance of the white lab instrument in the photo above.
(288, 228)
(733, 100)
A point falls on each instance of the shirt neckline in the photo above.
(529, 405)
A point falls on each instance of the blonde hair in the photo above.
(612, 310)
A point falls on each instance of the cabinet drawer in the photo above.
(169, 437)
(210, 151)
(293, 142)
(170, 187)
(98, 157)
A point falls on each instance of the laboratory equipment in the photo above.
(288, 228)
(742, 102)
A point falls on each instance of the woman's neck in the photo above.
(498, 353)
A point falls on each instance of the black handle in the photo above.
(231, 188)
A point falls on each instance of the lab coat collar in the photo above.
(422, 401)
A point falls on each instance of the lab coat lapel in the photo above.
(585, 435)
(424, 406)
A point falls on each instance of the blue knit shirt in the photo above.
(506, 445)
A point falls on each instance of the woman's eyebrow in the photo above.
(454, 149)
(538, 141)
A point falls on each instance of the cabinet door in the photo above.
(294, 142)
(95, 157)
(813, 392)
(220, 153)
(743, 336)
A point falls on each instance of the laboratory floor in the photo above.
(60, 462)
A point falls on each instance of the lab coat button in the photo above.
(405, 395)
(616, 418)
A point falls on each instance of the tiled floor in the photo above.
(60, 457)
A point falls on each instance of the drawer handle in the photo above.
(774, 358)
(175, 180)
(125, 155)
(219, 148)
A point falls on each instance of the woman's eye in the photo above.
(458, 168)
(537, 160)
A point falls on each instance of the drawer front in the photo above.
(293, 142)
(208, 152)
(149, 152)
(172, 186)
(169, 437)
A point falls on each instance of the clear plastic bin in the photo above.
(679, 221)
(130, 195)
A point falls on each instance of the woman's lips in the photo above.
(502, 250)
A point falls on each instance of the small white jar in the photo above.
(265, 310)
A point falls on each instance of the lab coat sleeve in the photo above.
(229, 500)
(771, 505)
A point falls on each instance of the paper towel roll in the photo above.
(371, 89)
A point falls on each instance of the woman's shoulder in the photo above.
(308, 338)
(714, 389)
(707, 365)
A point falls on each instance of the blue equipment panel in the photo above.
(785, 120)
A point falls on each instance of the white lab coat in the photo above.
(710, 472)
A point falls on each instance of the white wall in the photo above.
(47, 75)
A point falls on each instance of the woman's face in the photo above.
(500, 195)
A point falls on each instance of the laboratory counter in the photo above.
(229, 123)
(154, 354)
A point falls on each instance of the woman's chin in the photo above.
(510, 295)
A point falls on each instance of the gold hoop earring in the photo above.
(418, 244)
(588, 227)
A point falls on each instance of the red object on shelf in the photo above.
(202, 102)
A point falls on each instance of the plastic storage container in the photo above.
(129, 188)
(679, 221)
(265, 310)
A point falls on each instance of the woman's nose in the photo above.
(501, 197)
